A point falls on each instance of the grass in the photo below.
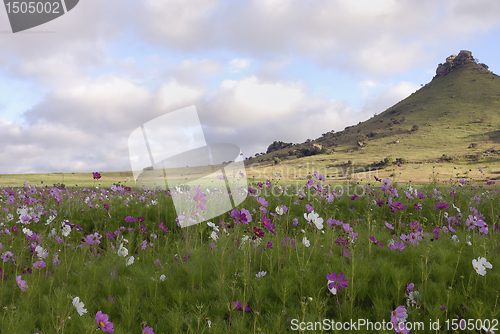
(193, 279)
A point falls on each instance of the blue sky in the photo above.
(74, 89)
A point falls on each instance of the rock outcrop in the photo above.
(454, 61)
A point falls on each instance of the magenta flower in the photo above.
(21, 283)
(262, 201)
(397, 246)
(143, 228)
(480, 170)
(442, 206)
(269, 245)
(399, 164)
(201, 200)
(267, 224)
(389, 226)
(237, 306)
(386, 183)
(148, 330)
(353, 197)
(39, 264)
(409, 287)
(130, 219)
(398, 315)
(336, 283)
(96, 175)
(242, 216)
(212, 245)
(418, 206)
(375, 241)
(258, 232)
(436, 232)
(490, 182)
(103, 323)
(163, 228)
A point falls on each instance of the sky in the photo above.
(73, 90)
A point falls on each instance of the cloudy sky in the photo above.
(73, 90)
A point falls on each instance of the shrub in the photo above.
(473, 145)
(414, 127)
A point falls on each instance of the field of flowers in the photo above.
(306, 257)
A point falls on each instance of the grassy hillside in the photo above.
(457, 116)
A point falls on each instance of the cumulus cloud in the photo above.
(108, 67)
(386, 95)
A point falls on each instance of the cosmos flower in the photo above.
(79, 306)
(103, 323)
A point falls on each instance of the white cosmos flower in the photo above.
(66, 230)
(314, 218)
(261, 274)
(306, 242)
(480, 264)
(130, 260)
(27, 231)
(162, 278)
(79, 306)
(214, 235)
(122, 251)
(40, 252)
(279, 210)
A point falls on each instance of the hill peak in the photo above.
(455, 61)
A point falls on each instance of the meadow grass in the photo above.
(261, 268)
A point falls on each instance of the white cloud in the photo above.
(236, 65)
(386, 96)
(249, 101)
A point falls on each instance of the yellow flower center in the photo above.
(101, 324)
(39, 266)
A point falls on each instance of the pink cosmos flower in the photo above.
(398, 315)
(376, 241)
(103, 323)
(130, 219)
(148, 330)
(39, 264)
(268, 225)
(262, 201)
(336, 282)
(96, 175)
(397, 246)
(200, 199)
(442, 206)
(21, 283)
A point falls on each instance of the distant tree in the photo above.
(148, 168)
(278, 145)
(414, 127)
(276, 160)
